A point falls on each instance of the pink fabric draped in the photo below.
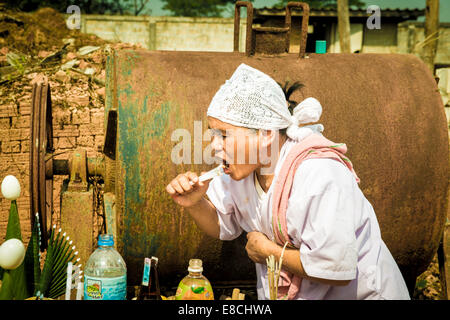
(312, 147)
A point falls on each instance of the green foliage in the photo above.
(197, 8)
(28, 280)
(323, 4)
(6, 292)
(14, 283)
(52, 282)
(32, 258)
(421, 284)
(13, 227)
(18, 61)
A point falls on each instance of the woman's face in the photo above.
(239, 148)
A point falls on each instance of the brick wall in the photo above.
(76, 122)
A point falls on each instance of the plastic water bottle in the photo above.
(105, 274)
(195, 286)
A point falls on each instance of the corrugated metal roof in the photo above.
(413, 13)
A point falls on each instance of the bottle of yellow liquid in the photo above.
(194, 286)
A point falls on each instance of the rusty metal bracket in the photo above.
(270, 40)
(304, 30)
(237, 21)
(78, 171)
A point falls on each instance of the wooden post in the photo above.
(343, 25)
(431, 33)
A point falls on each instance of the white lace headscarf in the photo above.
(252, 99)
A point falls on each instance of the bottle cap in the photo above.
(105, 240)
(195, 265)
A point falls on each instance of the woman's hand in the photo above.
(183, 192)
(259, 247)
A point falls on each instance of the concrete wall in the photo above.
(216, 34)
(411, 36)
(356, 38)
(167, 33)
(382, 40)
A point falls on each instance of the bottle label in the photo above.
(196, 291)
(146, 274)
(96, 288)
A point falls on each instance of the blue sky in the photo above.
(156, 6)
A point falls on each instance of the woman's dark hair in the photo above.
(288, 90)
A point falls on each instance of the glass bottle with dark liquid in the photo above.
(150, 284)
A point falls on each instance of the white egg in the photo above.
(10, 187)
(12, 253)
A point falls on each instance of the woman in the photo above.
(287, 184)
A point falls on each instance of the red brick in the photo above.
(22, 121)
(25, 146)
(66, 131)
(5, 123)
(61, 117)
(7, 159)
(91, 129)
(11, 146)
(81, 116)
(81, 101)
(85, 141)
(98, 117)
(66, 143)
(26, 98)
(8, 110)
(14, 134)
(25, 108)
(99, 141)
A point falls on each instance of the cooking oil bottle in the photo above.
(194, 286)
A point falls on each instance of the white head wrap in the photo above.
(252, 99)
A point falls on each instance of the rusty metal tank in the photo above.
(385, 107)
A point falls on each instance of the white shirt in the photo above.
(328, 218)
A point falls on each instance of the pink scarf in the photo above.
(312, 147)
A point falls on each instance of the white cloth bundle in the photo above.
(252, 99)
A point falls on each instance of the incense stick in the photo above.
(273, 273)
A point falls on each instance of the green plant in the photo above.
(13, 281)
(28, 279)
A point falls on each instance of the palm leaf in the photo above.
(59, 273)
(46, 275)
(54, 275)
(32, 259)
(13, 228)
(14, 285)
(6, 292)
(58, 284)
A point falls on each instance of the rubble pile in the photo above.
(40, 43)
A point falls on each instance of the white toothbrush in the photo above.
(218, 171)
